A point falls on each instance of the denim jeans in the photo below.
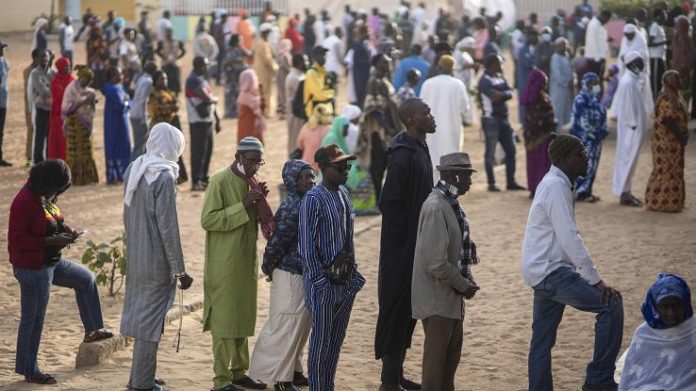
(499, 130)
(35, 289)
(565, 287)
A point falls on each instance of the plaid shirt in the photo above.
(467, 256)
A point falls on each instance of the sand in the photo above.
(629, 246)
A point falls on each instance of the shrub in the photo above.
(108, 262)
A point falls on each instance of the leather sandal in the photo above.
(40, 378)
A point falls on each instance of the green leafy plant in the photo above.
(108, 262)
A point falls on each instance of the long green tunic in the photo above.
(231, 272)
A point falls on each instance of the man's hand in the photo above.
(470, 292)
(218, 128)
(60, 240)
(251, 198)
(264, 188)
(609, 294)
(185, 281)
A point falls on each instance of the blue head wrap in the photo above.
(666, 285)
(120, 22)
(586, 78)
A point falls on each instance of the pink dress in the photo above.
(309, 141)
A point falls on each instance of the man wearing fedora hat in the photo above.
(441, 271)
(331, 278)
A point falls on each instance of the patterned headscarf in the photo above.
(537, 80)
(666, 285)
(84, 73)
(586, 79)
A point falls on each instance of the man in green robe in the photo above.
(230, 218)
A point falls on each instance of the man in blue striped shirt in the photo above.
(325, 230)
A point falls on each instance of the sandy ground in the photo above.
(629, 246)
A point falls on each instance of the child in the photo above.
(406, 91)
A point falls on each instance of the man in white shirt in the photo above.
(66, 38)
(163, 24)
(597, 42)
(418, 21)
(657, 45)
(334, 57)
(557, 265)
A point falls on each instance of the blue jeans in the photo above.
(140, 133)
(565, 287)
(499, 130)
(35, 289)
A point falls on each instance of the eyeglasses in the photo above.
(257, 163)
(342, 167)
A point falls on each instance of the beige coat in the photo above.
(436, 277)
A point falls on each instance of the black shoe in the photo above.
(229, 387)
(409, 384)
(300, 380)
(5, 163)
(158, 382)
(198, 186)
(247, 382)
(285, 386)
(600, 387)
(493, 188)
(515, 187)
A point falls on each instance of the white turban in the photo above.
(630, 29)
(632, 56)
(560, 40)
(351, 112)
(164, 146)
(466, 43)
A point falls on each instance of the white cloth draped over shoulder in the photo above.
(632, 105)
(164, 146)
(449, 104)
(661, 359)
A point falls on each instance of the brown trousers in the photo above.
(441, 352)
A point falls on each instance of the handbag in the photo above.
(341, 268)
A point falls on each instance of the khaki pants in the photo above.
(441, 352)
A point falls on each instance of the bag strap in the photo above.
(346, 216)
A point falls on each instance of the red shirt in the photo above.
(26, 233)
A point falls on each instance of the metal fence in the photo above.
(205, 7)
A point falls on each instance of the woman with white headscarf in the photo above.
(632, 104)
(155, 259)
(40, 41)
(632, 40)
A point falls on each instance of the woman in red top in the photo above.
(36, 235)
(56, 134)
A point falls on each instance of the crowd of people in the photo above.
(393, 150)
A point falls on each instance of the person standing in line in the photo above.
(163, 106)
(597, 43)
(265, 67)
(170, 50)
(361, 64)
(155, 258)
(313, 132)
(138, 112)
(85, 23)
(657, 46)
(66, 38)
(451, 106)
(318, 86)
(235, 206)
(284, 61)
(632, 105)
(558, 267)
(233, 65)
(666, 190)
(250, 106)
(40, 41)
(495, 92)
(279, 350)
(442, 276)
(561, 83)
(77, 111)
(40, 96)
(4, 94)
(97, 52)
(408, 183)
(56, 130)
(117, 144)
(539, 124)
(29, 107)
(588, 122)
(331, 278)
(200, 108)
(296, 115)
(411, 61)
(164, 23)
(525, 63)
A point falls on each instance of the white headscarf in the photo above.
(40, 22)
(351, 112)
(631, 56)
(164, 146)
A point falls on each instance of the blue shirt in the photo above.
(4, 73)
(488, 84)
(142, 91)
(405, 65)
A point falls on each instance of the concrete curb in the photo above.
(95, 353)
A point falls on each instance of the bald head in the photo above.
(409, 108)
(414, 113)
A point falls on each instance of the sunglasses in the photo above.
(342, 167)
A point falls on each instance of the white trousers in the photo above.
(278, 351)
